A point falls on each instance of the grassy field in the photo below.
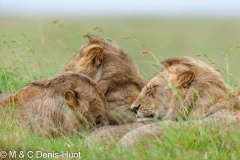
(38, 48)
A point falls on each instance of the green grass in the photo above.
(38, 48)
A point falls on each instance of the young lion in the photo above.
(62, 104)
(114, 72)
(185, 88)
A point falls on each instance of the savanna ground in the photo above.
(38, 48)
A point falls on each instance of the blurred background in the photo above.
(39, 37)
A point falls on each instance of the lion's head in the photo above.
(106, 63)
(185, 87)
(65, 103)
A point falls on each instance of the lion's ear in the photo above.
(71, 99)
(184, 79)
(95, 54)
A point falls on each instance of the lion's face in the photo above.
(90, 110)
(154, 98)
(157, 96)
(87, 101)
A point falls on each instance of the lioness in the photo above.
(115, 73)
(62, 104)
(185, 88)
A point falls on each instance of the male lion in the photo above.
(61, 104)
(115, 73)
(186, 88)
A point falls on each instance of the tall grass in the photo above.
(33, 49)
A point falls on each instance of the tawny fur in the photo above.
(4, 97)
(186, 88)
(115, 73)
(46, 106)
(109, 135)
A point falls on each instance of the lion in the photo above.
(62, 104)
(114, 72)
(185, 89)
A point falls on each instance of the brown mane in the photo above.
(116, 57)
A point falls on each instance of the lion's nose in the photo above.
(135, 108)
